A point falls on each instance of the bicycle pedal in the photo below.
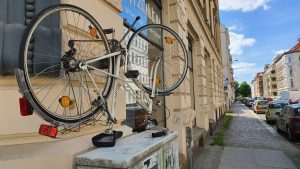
(104, 140)
(132, 74)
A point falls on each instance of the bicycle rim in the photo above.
(152, 43)
(53, 44)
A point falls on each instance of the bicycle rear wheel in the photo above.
(56, 41)
(157, 44)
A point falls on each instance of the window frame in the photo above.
(191, 71)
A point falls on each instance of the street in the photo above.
(262, 117)
(250, 143)
(250, 131)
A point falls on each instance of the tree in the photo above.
(236, 88)
(245, 89)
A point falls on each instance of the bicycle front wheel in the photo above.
(54, 44)
(156, 45)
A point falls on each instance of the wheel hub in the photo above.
(70, 63)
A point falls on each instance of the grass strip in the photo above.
(219, 137)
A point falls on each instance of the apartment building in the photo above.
(270, 81)
(288, 73)
(253, 91)
(195, 106)
(228, 71)
(258, 85)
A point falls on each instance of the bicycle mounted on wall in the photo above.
(67, 71)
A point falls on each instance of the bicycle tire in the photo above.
(184, 56)
(46, 114)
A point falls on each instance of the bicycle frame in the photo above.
(118, 56)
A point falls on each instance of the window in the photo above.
(297, 112)
(273, 79)
(291, 70)
(289, 59)
(262, 103)
(135, 59)
(274, 93)
(150, 12)
(274, 86)
(292, 83)
(273, 72)
(278, 105)
(191, 70)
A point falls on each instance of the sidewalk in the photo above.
(247, 158)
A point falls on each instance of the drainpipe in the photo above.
(189, 147)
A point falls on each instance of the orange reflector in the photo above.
(157, 80)
(65, 101)
(25, 108)
(169, 40)
(47, 130)
(93, 32)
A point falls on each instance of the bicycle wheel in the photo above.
(55, 42)
(150, 44)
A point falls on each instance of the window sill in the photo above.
(17, 139)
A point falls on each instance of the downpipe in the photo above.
(189, 148)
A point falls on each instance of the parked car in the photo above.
(249, 102)
(288, 121)
(260, 106)
(294, 101)
(269, 99)
(273, 108)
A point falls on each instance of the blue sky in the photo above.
(258, 30)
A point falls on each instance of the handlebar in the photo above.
(130, 28)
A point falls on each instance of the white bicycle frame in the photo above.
(118, 56)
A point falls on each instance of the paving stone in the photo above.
(242, 154)
(264, 167)
(247, 131)
(271, 155)
(238, 163)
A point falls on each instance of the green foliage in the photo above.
(236, 88)
(219, 139)
(245, 89)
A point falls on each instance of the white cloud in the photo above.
(232, 28)
(238, 42)
(280, 52)
(245, 69)
(243, 5)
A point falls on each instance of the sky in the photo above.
(259, 29)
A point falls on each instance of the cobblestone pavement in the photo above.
(250, 144)
(262, 117)
(248, 130)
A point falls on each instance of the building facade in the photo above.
(288, 73)
(253, 91)
(258, 85)
(197, 104)
(228, 71)
(270, 81)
